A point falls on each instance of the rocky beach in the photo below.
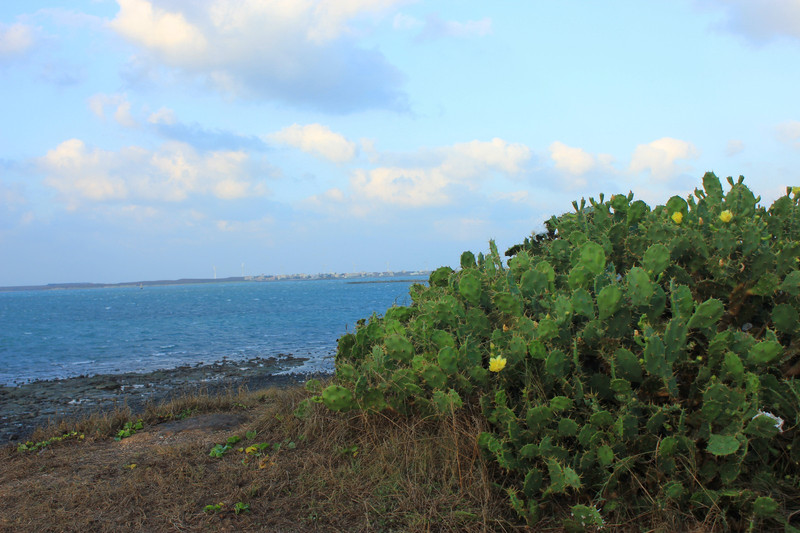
(27, 406)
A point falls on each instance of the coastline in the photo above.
(27, 406)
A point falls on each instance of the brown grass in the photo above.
(348, 472)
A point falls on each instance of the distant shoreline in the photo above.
(236, 279)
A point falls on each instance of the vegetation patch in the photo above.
(630, 362)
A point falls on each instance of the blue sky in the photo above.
(157, 139)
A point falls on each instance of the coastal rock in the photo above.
(38, 404)
(109, 385)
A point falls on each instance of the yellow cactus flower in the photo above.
(497, 363)
(677, 217)
(726, 216)
(795, 190)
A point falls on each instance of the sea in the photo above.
(51, 334)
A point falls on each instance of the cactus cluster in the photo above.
(649, 358)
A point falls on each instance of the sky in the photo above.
(165, 139)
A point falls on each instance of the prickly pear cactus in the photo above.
(628, 360)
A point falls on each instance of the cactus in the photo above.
(656, 259)
(655, 343)
(448, 359)
(592, 257)
(399, 348)
(707, 314)
(470, 288)
(640, 288)
(434, 377)
(337, 398)
(609, 300)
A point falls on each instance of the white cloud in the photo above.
(122, 113)
(574, 161)
(789, 133)
(475, 157)
(300, 51)
(163, 116)
(459, 166)
(318, 140)
(660, 157)
(15, 40)
(760, 20)
(168, 33)
(408, 187)
(171, 173)
(734, 147)
(76, 172)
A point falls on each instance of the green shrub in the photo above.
(629, 358)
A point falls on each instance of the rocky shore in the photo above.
(28, 406)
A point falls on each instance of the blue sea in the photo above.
(53, 334)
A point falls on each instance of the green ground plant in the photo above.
(129, 429)
(31, 446)
(629, 360)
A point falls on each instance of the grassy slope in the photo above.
(347, 472)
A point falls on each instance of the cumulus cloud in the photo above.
(460, 166)
(122, 108)
(171, 173)
(15, 40)
(574, 161)
(318, 140)
(167, 33)
(761, 20)
(660, 157)
(301, 52)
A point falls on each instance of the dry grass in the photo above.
(348, 472)
(345, 472)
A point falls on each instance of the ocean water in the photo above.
(63, 333)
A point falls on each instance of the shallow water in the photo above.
(64, 333)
